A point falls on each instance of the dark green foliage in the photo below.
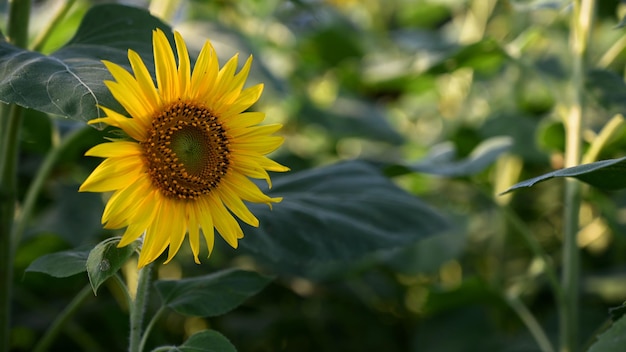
(211, 295)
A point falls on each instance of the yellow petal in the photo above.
(246, 99)
(157, 236)
(122, 206)
(224, 222)
(184, 71)
(204, 73)
(144, 217)
(115, 149)
(236, 206)
(132, 127)
(252, 170)
(246, 189)
(113, 174)
(165, 67)
(224, 76)
(144, 79)
(178, 223)
(261, 144)
(230, 88)
(204, 213)
(128, 92)
(243, 120)
(194, 230)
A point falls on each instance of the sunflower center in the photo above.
(186, 151)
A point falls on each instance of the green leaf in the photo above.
(211, 295)
(61, 264)
(70, 81)
(205, 341)
(337, 213)
(612, 340)
(441, 161)
(605, 174)
(106, 259)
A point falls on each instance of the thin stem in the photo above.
(153, 321)
(138, 308)
(531, 323)
(8, 182)
(568, 312)
(62, 318)
(37, 184)
(57, 19)
(11, 120)
(537, 250)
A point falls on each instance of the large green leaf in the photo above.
(61, 264)
(211, 295)
(337, 213)
(70, 81)
(105, 259)
(606, 174)
(205, 341)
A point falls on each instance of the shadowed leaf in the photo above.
(211, 295)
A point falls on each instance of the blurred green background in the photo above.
(407, 82)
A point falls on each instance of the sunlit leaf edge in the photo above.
(605, 174)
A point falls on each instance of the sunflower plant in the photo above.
(177, 151)
(190, 175)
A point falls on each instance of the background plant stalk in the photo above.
(10, 122)
(582, 18)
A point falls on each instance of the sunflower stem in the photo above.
(10, 122)
(138, 308)
(62, 318)
(12, 116)
(582, 18)
(153, 321)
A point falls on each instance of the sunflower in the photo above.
(190, 153)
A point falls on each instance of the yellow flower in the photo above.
(191, 151)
